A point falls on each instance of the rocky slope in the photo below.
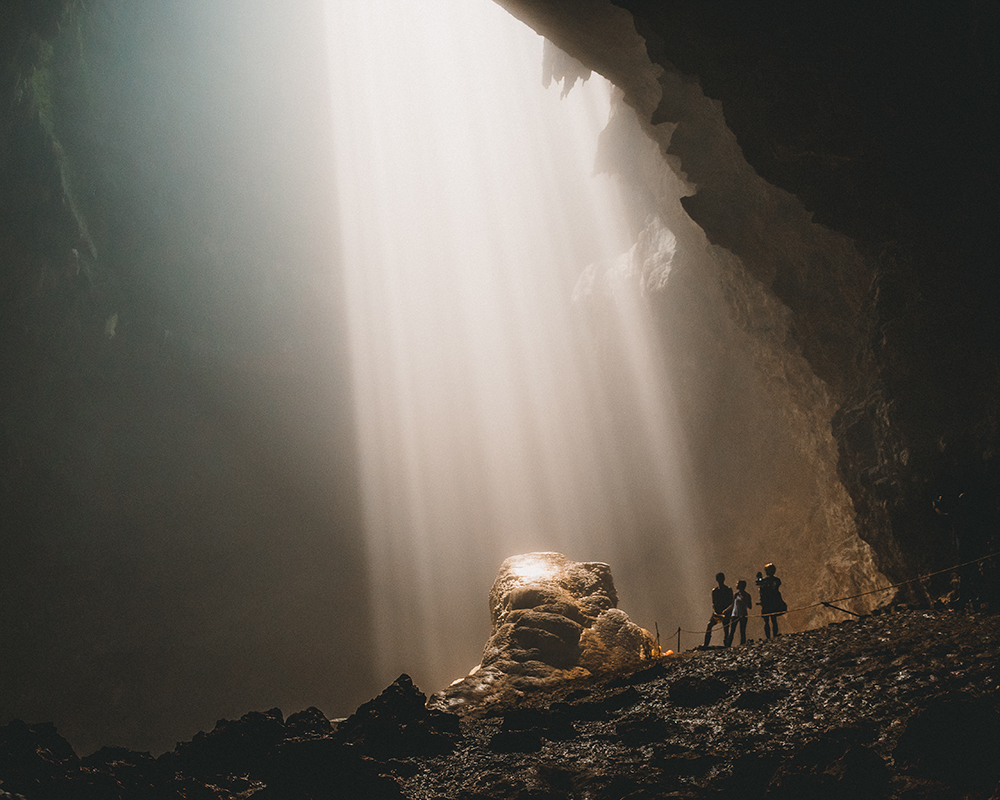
(896, 705)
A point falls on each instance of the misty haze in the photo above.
(359, 302)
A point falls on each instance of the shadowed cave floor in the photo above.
(898, 705)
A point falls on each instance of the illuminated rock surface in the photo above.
(552, 620)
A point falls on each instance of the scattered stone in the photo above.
(830, 769)
(552, 724)
(685, 763)
(750, 777)
(599, 709)
(758, 700)
(639, 729)
(516, 742)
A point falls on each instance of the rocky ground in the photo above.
(897, 705)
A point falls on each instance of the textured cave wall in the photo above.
(756, 420)
(842, 160)
(879, 121)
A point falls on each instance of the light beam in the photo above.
(487, 422)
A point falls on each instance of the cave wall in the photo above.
(844, 159)
(756, 419)
(178, 504)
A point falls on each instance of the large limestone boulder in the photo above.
(552, 620)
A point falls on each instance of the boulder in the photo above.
(34, 757)
(308, 724)
(954, 740)
(695, 691)
(553, 620)
(233, 747)
(397, 724)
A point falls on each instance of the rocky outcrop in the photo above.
(261, 755)
(553, 620)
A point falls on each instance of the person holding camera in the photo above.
(771, 603)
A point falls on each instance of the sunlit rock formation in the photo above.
(552, 620)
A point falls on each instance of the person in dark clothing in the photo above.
(722, 604)
(771, 603)
(967, 517)
(742, 603)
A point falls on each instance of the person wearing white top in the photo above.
(742, 602)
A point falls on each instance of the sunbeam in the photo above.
(489, 421)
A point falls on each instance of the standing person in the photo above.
(771, 603)
(722, 603)
(742, 603)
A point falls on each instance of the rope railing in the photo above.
(829, 603)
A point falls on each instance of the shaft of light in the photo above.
(467, 211)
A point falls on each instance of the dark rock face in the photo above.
(553, 620)
(233, 747)
(396, 724)
(322, 768)
(34, 756)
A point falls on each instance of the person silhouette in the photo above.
(771, 604)
(742, 603)
(722, 603)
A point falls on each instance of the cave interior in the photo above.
(179, 497)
